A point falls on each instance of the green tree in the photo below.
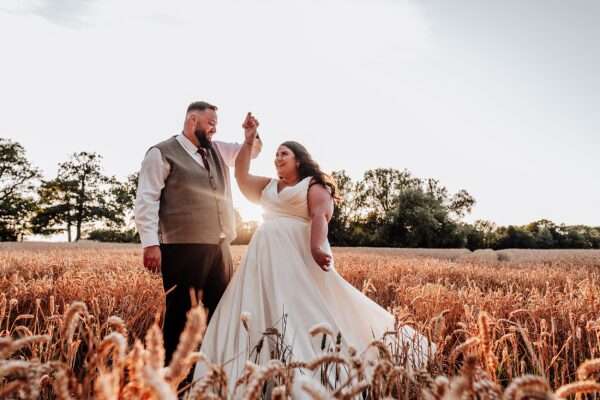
(344, 212)
(17, 182)
(488, 231)
(577, 237)
(435, 189)
(56, 212)
(80, 194)
(389, 207)
(123, 194)
(114, 236)
(377, 193)
(546, 234)
(514, 237)
(461, 203)
(422, 219)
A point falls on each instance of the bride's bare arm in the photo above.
(251, 186)
(320, 207)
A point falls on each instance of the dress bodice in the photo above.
(292, 201)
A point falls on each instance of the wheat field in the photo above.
(82, 321)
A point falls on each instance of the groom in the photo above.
(185, 217)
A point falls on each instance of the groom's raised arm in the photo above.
(230, 151)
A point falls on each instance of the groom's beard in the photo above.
(203, 140)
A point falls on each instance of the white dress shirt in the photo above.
(152, 177)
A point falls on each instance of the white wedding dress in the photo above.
(278, 276)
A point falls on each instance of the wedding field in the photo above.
(82, 321)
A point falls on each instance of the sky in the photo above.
(500, 98)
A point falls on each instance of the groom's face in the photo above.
(205, 124)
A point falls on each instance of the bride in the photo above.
(287, 279)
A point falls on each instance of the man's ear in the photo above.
(190, 122)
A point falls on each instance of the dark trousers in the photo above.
(204, 267)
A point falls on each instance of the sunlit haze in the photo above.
(499, 98)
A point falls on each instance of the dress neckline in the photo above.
(278, 192)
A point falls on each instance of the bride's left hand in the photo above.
(322, 258)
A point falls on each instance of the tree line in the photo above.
(387, 207)
(80, 199)
(392, 208)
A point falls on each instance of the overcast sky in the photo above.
(501, 98)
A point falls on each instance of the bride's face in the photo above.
(285, 161)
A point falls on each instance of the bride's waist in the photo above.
(271, 216)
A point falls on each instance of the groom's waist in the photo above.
(210, 227)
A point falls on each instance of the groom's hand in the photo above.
(152, 258)
(250, 126)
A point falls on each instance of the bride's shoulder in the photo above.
(316, 186)
(272, 182)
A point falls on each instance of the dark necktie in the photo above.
(211, 179)
(203, 153)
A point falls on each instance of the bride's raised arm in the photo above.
(251, 186)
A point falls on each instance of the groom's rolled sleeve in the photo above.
(229, 151)
(147, 202)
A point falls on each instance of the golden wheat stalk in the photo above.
(105, 387)
(155, 351)
(382, 368)
(188, 343)
(580, 387)
(441, 386)
(157, 384)
(383, 349)
(588, 368)
(11, 387)
(527, 383)
(321, 329)
(279, 393)
(315, 390)
(273, 367)
(216, 377)
(117, 324)
(134, 363)
(461, 348)
(353, 391)
(14, 367)
(51, 305)
(483, 323)
(245, 318)
(113, 341)
(18, 344)
(331, 358)
(70, 320)
(61, 385)
(249, 369)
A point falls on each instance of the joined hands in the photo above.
(250, 126)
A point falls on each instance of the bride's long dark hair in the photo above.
(309, 167)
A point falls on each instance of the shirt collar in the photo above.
(187, 143)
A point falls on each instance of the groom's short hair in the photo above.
(200, 106)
